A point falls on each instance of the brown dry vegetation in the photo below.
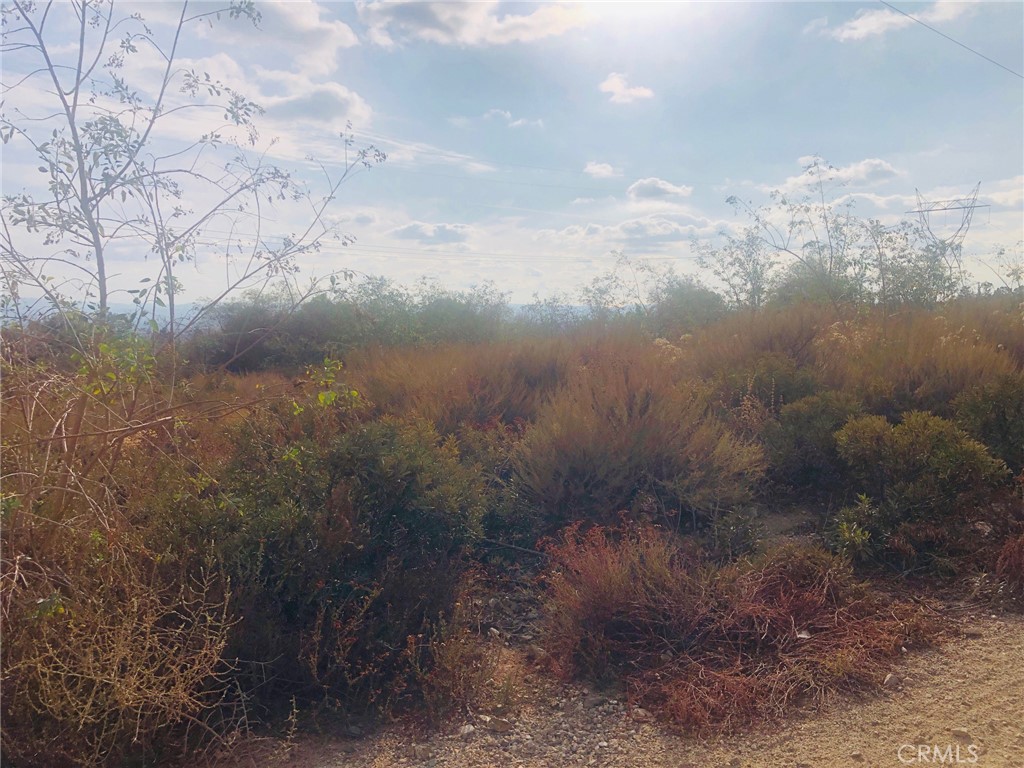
(185, 555)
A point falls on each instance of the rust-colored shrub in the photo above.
(715, 648)
(1010, 564)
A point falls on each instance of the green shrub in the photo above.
(926, 476)
(994, 414)
(801, 444)
(772, 379)
(339, 554)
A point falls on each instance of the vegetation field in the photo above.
(191, 547)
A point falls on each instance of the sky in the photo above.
(527, 142)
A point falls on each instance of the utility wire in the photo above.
(966, 47)
(404, 252)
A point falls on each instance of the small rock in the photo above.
(419, 752)
(961, 734)
(354, 731)
(592, 700)
(498, 725)
(857, 756)
(466, 731)
(891, 681)
(534, 652)
(602, 744)
(640, 713)
(493, 632)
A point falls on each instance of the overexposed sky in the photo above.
(527, 141)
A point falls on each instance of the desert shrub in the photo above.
(993, 413)
(801, 444)
(453, 661)
(275, 330)
(916, 361)
(509, 517)
(339, 554)
(927, 477)
(998, 320)
(741, 338)
(1010, 564)
(680, 305)
(855, 530)
(461, 384)
(621, 427)
(716, 648)
(733, 534)
(104, 658)
(110, 652)
(772, 380)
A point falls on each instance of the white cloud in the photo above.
(621, 92)
(522, 121)
(1008, 193)
(815, 26)
(865, 172)
(329, 103)
(298, 31)
(654, 188)
(463, 23)
(433, 233)
(874, 22)
(651, 232)
(512, 122)
(601, 170)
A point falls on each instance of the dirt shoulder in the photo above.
(961, 703)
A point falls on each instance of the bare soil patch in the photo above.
(963, 699)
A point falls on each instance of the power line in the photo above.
(458, 157)
(408, 252)
(965, 47)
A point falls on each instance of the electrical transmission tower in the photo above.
(950, 246)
